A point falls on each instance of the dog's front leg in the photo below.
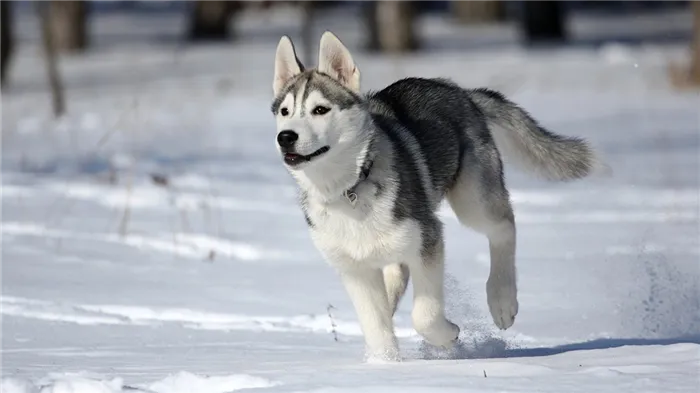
(428, 298)
(368, 295)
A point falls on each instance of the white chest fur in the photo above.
(366, 234)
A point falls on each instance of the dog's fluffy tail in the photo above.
(520, 137)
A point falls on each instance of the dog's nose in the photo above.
(287, 138)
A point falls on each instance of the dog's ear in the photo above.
(287, 65)
(334, 59)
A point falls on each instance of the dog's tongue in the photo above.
(292, 156)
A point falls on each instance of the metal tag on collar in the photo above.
(351, 197)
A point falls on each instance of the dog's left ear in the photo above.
(334, 59)
(287, 65)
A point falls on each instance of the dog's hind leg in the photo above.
(396, 280)
(480, 200)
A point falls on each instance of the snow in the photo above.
(207, 281)
(182, 382)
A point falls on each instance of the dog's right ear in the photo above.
(287, 65)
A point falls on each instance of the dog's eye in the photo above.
(321, 110)
(284, 111)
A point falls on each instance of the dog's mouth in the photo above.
(294, 159)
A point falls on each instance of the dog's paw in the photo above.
(429, 351)
(502, 297)
(390, 355)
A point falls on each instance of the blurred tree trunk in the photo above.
(45, 10)
(307, 29)
(369, 18)
(695, 50)
(68, 25)
(543, 21)
(210, 20)
(478, 11)
(7, 38)
(391, 26)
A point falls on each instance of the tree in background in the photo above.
(210, 20)
(478, 11)
(6, 38)
(308, 8)
(391, 26)
(49, 41)
(695, 50)
(687, 76)
(368, 11)
(543, 21)
(68, 25)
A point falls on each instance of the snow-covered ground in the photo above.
(206, 281)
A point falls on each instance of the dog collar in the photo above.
(350, 194)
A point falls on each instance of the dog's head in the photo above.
(318, 111)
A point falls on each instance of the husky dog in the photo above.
(373, 169)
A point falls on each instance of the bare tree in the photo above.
(7, 38)
(477, 11)
(695, 49)
(543, 21)
(391, 26)
(49, 44)
(369, 17)
(307, 28)
(68, 25)
(683, 75)
(210, 20)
